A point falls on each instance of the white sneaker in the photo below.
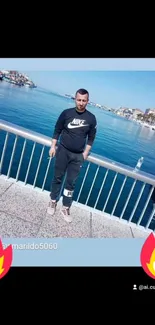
(66, 214)
(52, 207)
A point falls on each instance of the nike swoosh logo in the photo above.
(70, 126)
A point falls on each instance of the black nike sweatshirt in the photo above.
(76, 129)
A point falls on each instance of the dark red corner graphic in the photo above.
(6, 256)
(147, 256)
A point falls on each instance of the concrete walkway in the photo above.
(23, 214)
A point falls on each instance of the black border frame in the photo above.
(87, 281)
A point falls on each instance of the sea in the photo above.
(117, 138)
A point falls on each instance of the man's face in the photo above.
(81, 101)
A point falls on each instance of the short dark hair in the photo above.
(82, 91)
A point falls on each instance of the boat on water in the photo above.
(30, 84)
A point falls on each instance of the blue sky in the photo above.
(133, 89)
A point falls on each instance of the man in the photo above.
(77, 128)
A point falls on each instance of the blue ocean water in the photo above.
(117, 138)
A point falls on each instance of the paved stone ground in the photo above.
(23, 214)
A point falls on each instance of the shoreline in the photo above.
(17, 78)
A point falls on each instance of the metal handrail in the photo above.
(25, 133)
(134, 208)
(94, 158)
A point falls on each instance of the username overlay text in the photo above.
(33, 246)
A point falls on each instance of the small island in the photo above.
(17, 78)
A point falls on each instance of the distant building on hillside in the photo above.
(137, 111)
(5, 72)
(150, 111)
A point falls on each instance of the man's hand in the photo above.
(85, 155)
(52, 152)
(86, 152)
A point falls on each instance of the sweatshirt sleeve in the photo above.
(92, 132)
(59, 126)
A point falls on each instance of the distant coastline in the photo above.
(146, 119)
(17, 78)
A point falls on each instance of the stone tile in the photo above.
(4, 184)
(24, 202)
(138, 233)
(105, 227)
(20, 203)
(11, 226)
(56, 226)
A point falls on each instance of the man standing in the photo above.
(77, 128)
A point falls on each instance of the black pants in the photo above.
(69, 163)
